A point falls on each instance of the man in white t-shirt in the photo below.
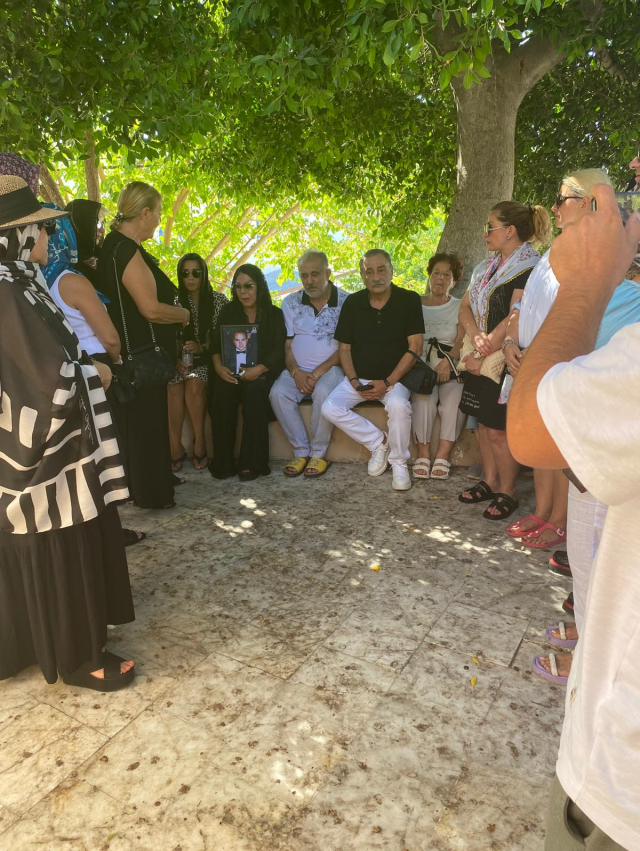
(313, 364)
(572, 407)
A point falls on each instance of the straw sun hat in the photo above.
(19, 206)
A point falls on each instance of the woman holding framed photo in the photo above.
(249, 317)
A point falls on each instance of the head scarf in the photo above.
(63, 250)
(13, 164)
(84, 217)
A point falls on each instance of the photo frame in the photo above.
(239, 346)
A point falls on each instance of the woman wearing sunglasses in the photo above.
(189, 387)
(496, 284)
(250, 305)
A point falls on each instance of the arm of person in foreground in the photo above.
(589, 259)
(141, 285)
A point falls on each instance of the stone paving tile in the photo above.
(291, 697)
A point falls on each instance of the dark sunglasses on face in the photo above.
(560, 199)
(49, 226)
(238, 287)
(196, 273)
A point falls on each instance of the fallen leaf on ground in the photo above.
(474, 680)
(375, 567)
(475, 659)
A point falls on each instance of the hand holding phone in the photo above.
(362, 387)
(628, 203)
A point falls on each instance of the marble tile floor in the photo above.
(321, 666)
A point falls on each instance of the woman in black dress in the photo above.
(63, 569)
(496, 284)
(189, 387)
(250, 305)
(126, 269)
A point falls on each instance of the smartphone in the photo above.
(628, 203)
(362, 387)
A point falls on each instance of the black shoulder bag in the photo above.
(422, 378)
(147, 366)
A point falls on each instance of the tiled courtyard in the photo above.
(322, 666)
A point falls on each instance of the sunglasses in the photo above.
(488, 228)
(49, 226)
(238, 287)
(560, 199)
(196, 273)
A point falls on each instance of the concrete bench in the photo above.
(342, 447)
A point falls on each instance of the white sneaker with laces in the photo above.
(401, 478)
(378, 462)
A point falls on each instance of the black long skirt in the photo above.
(58, 592)
(143, 431)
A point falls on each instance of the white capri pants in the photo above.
(424, 409)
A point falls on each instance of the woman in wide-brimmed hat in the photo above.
(63, 570)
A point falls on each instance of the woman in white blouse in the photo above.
(440, 311)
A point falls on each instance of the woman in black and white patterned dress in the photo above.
(189, 387)
(63, 569)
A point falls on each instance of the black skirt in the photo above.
(480, 399)
(58, 592)
(143, 430)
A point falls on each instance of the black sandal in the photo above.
(480, 493)
(132, 537)
(505, 504)
(113, 679)
(176, 463)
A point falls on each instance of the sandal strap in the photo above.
(552, 664)
(442, 462)
(562, 630)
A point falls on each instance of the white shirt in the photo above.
(591, 407)
(83, 331)
(537, 300)
(310, 331)
(241, 360)
(441, 322)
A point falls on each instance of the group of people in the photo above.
(100, 355)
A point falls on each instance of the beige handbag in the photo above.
(492, 366)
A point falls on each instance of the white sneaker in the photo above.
(378, 462)
(401, 478)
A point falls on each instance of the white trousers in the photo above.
(285, 399)
(338, 410)
(585, 522)
(425, 407)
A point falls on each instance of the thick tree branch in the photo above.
(50, 188)
(612, 68)
(262, 240)
(91, 173)
(168, 229)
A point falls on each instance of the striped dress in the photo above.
(60, 464)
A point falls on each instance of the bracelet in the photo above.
(293, 371)
(355, 378)
(508, 341)
(386, 383)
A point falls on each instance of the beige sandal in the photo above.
(421, 468)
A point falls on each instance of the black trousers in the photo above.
(256, 415)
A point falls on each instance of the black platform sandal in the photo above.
(113, 679)
(505, 504)
(480, 493)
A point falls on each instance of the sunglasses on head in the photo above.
(238, 287)
(196, 273)
(49, 226)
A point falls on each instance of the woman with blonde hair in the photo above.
(143, 312)
(546, 527)
(496, 284)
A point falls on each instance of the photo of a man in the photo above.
(239, 346)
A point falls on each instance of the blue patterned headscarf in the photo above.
(63, 250)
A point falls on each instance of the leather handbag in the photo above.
(147, 366)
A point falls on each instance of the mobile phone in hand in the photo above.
(628, 203)
(362, 387)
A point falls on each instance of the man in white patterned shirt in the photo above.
(313, 364)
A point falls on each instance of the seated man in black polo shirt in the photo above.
(376, 327)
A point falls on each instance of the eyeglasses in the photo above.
(560, 199)
(488, 228)
(238, 287)
(49, 226)
(196, 273)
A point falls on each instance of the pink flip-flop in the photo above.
(562, 641)
(553, 677)
(544, 545)
(512, 530)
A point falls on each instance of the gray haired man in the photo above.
(313, 364)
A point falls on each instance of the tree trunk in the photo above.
(168, 228)
(50, 189)
(487, 114)
(91, 169)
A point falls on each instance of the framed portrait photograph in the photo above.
(239, 346)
